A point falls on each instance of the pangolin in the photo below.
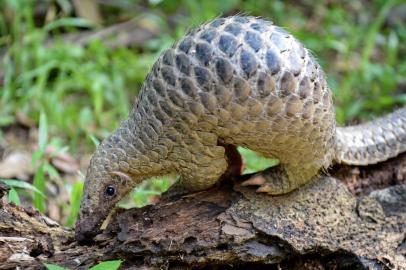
(238, 81)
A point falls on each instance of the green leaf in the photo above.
(68, 22)
(373, 31)
(354, 108)
(6, 120)
(108, 265)
(13, 183)
(65, 5)
(254, 162)
(13, 196)
(52, 172)
(54, 267)
(36, 156)
(39, 183)
(95, 141)
(75, 197)
(59, 150)
(42, 132)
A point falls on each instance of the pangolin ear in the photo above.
(125, 178)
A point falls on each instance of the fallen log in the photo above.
(320, 226)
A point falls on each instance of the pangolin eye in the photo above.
(110, 191)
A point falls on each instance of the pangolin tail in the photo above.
(374, 141)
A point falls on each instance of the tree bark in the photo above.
(351, 223)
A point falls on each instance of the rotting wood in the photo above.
(320, 226)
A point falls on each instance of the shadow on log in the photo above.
(320, 226)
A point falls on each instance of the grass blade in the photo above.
(95, 141)
(254, 162)
(108, 265)
(69, 22)
(14, 183)
(13, 196)
(54, 267)
(42, 132)
(75, 197)
(39, 183)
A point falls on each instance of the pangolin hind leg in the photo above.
(287, 176)
(276, 180)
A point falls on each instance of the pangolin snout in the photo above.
(85, 230)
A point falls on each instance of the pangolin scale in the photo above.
(234, 81)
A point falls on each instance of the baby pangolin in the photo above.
(234, 81)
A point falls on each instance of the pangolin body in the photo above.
(234, 81)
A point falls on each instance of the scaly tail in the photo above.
(373, 141)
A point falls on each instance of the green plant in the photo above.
(107, 265)
(141, 195)
(40, 160)
(41, 70)
(254, 162)
(15, 184)
(76, 194)
(54, 267)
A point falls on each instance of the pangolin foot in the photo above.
(272, 181)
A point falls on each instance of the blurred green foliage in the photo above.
(87, 90)
(78, 88)
(79, 94)
(253, 162)
(15, 184)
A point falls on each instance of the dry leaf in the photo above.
(16, 165)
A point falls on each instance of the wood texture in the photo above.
(320, 226)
